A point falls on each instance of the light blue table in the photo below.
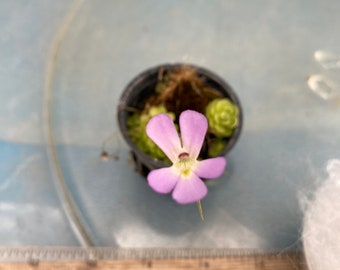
(263, 49)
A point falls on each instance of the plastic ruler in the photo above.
(109, 258)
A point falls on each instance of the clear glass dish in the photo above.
(265, 51)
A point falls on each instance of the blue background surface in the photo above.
(263, 49)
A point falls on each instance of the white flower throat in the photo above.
(185, 164)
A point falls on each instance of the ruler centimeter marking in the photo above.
(106, 253)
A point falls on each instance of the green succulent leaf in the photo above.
(215, 147)
(137, 131)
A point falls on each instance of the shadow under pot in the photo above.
(172, 89)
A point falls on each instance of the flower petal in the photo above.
(161, 129)
(193, 126)
(189, 190)
(211, 168)
(163, 180)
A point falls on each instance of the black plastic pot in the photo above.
(142, 86)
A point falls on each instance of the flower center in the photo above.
(185, 164)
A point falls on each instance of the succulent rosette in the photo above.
(222, 115)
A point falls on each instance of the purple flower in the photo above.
(183, 178)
